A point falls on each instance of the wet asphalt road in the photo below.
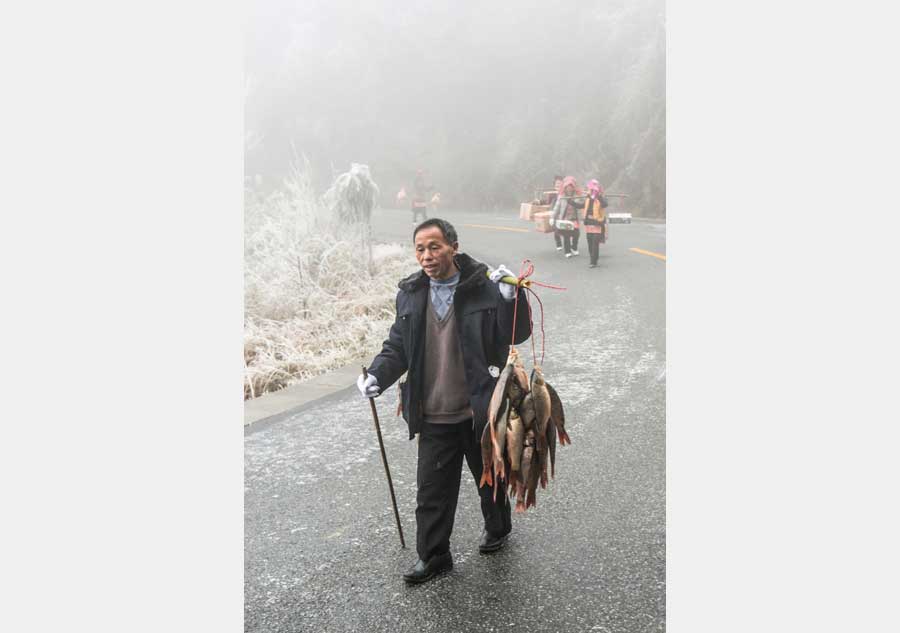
(321, 547)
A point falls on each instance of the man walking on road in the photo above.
(451, 335)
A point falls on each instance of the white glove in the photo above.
(552, 221)
(368, 387)
(508, 291)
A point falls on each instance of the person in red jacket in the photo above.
(419, 198)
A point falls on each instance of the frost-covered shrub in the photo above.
(311, 303)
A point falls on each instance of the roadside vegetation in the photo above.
(311, 301)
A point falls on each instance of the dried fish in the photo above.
(559, 416)
(487, 456)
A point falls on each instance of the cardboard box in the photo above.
(528, 209)
(542, 222)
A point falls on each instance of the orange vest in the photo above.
(599, 211)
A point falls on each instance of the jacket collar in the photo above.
(471, 276)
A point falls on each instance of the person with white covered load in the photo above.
(566, 215)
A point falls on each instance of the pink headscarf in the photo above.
(569, 180)
(594, 185)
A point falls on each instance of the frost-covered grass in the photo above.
(310, 302)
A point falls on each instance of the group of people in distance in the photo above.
(572, 208)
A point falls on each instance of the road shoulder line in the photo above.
(650, 253)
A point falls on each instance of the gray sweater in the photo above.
(446, 393)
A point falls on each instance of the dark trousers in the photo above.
(417, 210)
(557, 237)
(570, 239)
(441, 451)
(593, 240)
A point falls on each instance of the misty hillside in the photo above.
(491, 99)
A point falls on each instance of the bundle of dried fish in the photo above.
(519, 441)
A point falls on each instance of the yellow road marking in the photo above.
(496, 228)
(651, 254)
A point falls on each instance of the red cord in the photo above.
(524, 272)
(543, 334)
(515, 319)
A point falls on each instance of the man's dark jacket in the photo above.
(484, 323)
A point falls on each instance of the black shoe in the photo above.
(423, 571)
(491, 543)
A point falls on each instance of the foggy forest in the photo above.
(490, 99)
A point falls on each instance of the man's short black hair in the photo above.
(445, 227)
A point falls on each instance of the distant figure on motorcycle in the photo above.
(595, 220)
(420, 197)
(566, 215)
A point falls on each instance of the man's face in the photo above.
(569, 190)
(434, 254)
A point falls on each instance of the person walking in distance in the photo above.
(565, 216)
(595, 220)
(419, 197)
(551, 200)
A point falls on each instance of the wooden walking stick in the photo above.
(384, 461)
